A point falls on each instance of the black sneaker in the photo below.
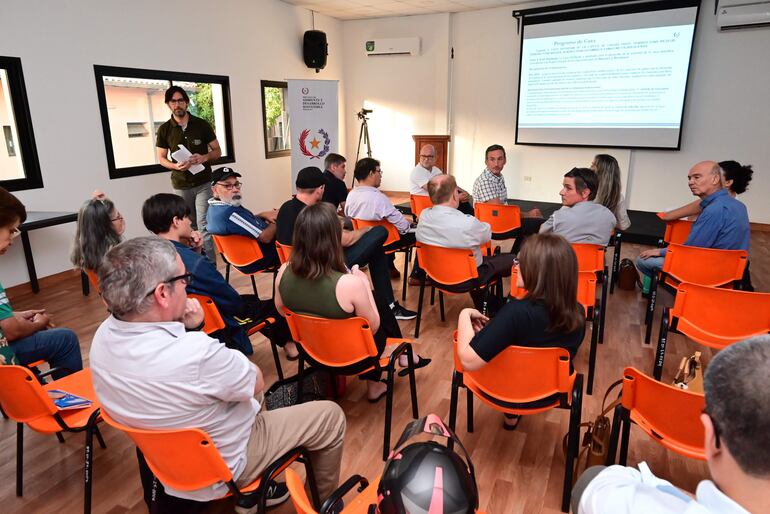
(276, 494)
(401, 313)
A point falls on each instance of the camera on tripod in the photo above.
(362, 113)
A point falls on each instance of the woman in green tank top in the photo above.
(316, 281)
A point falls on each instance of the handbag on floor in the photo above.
(628, 276)
(284, 393)
(690, 374)
(596, 440)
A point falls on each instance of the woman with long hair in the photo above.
(735, 178)
(315, 281)
(609, 193)
(548, 316)
(100, 227)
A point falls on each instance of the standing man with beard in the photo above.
(226, 216)
(198, 137)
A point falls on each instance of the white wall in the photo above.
(59, 42)
(727, 115)
(407, 93)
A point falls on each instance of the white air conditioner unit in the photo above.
(393, 46)
(736, 14)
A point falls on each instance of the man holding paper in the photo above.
(186, 145)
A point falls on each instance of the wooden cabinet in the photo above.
(440, 143)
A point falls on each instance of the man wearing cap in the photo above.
(197, 136)
(226, 216)
(361, 247)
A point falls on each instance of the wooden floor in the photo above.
(518, 472)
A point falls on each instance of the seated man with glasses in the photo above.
(151, 371)
(426, 170)
(736, 424)
(226, 216)
(168, 216)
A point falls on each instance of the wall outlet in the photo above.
(527, 178)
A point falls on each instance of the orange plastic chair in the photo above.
(186, 459)
(677, 231)
(240, 251)
(284, 252)
(668, 414)
(591, 258)
(346, 347)
(702, 266)
(418, 203)
(393, 237)
(514, 380)
(93, 278)
(213, 322)
(505, 220)
(714, 317)
(26, 401)
(358, 505)
(446, 267)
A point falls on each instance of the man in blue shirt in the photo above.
(723, 222)
(167, 216)
(226, 216)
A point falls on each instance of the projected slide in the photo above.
(621, 86)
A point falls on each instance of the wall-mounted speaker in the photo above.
(315, 49)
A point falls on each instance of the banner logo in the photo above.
(305, 90)
(315, 151)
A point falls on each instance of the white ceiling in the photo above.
(360, 9)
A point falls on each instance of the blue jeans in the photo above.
(197, 200)
(57, 346)
(650, 266)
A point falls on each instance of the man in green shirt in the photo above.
(198, 137)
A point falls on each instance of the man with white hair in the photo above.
(723, 222)
(151, 371)
(736, 424)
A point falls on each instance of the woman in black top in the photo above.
(548, 316)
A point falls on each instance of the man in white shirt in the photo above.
(367, 202)
(149, 372)
(580, 220)
(489, 187)
(737, 441)
(443, 225)
(425, 170)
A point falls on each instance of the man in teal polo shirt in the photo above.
(198, 137)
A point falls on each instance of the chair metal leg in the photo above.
(254, 285)
(469, 408)
(660, 351)
(614, 434)
(19, 458)
(456, 382)
(573, 443)
(277, 360)
(592, 350)
(432, 295)
(616, 261)
(412, 382)
(88, 467)
(227, 272)
(300, 372)
(441, 305)
(60, 437)
(650, 309)
(419, 308)
(99, 438)
(388, 412)
(605, 285)
(626, 432)
(406, 271)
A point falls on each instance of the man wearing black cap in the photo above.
(361, 247)
(226, 216)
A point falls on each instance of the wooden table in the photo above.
(35, 220)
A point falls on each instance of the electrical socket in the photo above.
(527, 178)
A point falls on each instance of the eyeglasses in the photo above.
(119, 217)
(427, 156)
(186, 279)
(15, 232)
(177, 101)
(230, 187)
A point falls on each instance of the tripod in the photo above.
(363, 136)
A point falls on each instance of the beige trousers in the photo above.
(317, 426)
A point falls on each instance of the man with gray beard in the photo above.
(226, 216)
